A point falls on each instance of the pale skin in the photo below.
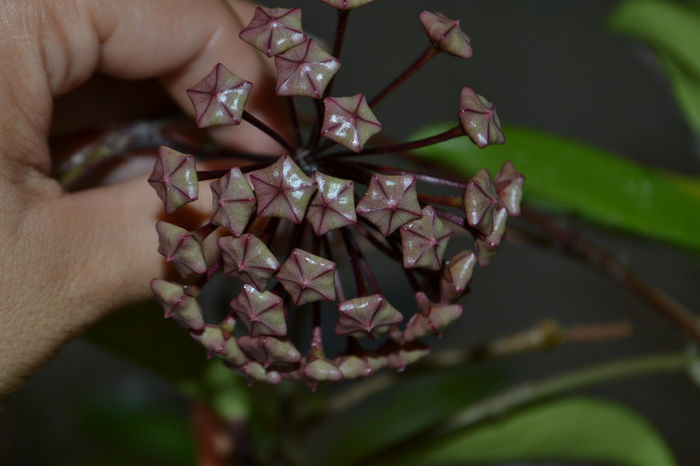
(69, 259)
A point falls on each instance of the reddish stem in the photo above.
(424, 58)
(418, 175)
(456, 202)
(406, 146)
(355, 262)
(267, 130)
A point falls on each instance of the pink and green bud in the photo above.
(431, 318)
(333, 205)
(174, 178)
(262, 312)
(458, 272)
(479, 120)
(479, 199)
(390, 202)
(320, 369)
(233, 201)
(274, 30)
(181, 248)
(509, 185)
(219, 98)
(498, 227)
(353, 366)
(424, 240)
(255, 372)
(349, 121)
(268, 350)
(305, 70)
(366, 316)
(218, 344)
(307, 277)
(282, 190)
(249, 259)
(446, 34)
(178, 304)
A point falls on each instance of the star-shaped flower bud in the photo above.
(498, 227)
(353, 366)
(479, 119)
(274, 30)
(178, 304)
(424, 241)
(181, 248)
(219, 98)
(349, 121)
(456, 276)
(366, 316)
(305, 70)
(446, 34)
(333, 205)
(228, 325)
(262, 312)
(282, 190)
(390, 201)
(431, 318)
(218, 344)
(233, 201)
(256, 372)
(479, 199)
(269, 350)
(346, 4)
(509, 185)
(174, 178)
(484, 253)
(320, 369)
(307, 277)
(248, 259)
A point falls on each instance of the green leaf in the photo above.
(571, 176)
(141, 335)
(574, 429)
(673, 30)
(130, 430)
(392, 414)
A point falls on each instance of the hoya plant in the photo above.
(327, 271)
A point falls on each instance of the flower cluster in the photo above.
(283, 222)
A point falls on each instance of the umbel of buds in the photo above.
(281, 226)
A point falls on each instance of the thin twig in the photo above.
(545, 335)
(424, 58)
(595, 256)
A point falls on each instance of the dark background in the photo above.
(549, 65)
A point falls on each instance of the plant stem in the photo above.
(294, 118)
(267, 130)
(354, 261)
(406, 146)
(418, 175)
(530, 392)
(546, 335)
(424, 58)
(339, 292)
(456, 202)
(593, 255)
(338, 45)
(315, 135)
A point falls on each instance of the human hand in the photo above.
(69, 259)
